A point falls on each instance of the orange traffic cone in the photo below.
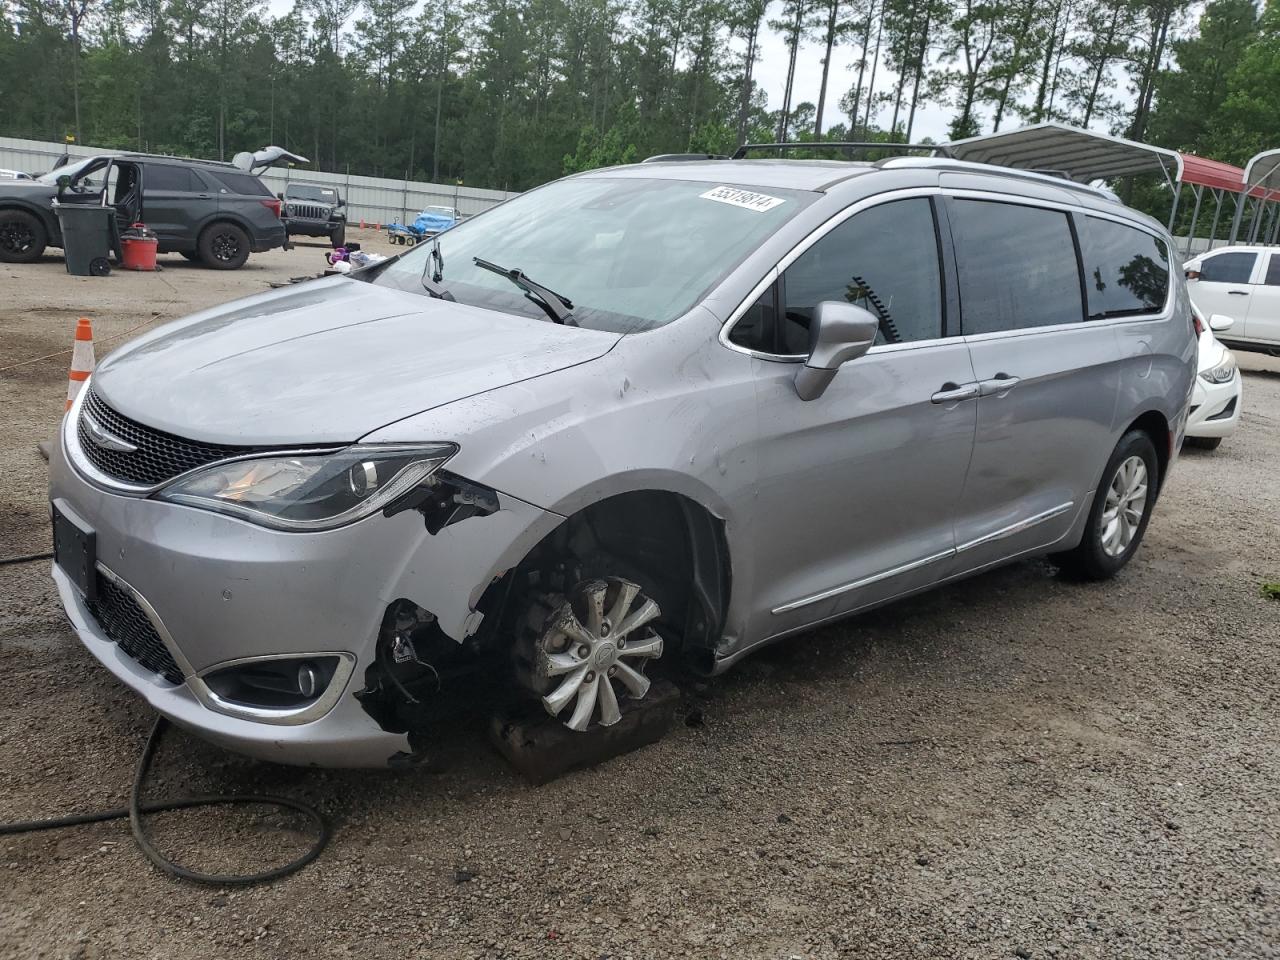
(362, 223)
(377, 226)
(81, 359)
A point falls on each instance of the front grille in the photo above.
(306, 211)
(160, 456)
(125, 623)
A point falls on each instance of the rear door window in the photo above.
(884, 259)
(1273, 271)
(1018, 266)
(1129, 272)
(166, 177)
(1228, 267)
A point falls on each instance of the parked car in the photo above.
(215, 213)
(14, 175)
(1218, 393)
(314, 211)
(723, 402)
(1243, 283)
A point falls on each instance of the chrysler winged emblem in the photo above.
(108, 441)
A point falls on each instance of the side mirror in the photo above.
(1220, 321)
(280, 196)
(839, 332)
(1193, 274)
(341, 203)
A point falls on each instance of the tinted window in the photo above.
(1017, 266)
(884, 259)
(1130, 273)
(242, 183)
(1228, 268)
(166, 177)
(756, 329)
(1273, 271)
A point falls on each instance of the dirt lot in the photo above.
(1015, 766)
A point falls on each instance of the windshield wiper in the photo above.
(558, 308)
(432, 283)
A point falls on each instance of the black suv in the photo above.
(314, 211)
(215, 213)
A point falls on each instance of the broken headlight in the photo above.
(311, 492)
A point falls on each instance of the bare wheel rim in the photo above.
(594, 648)
(1124, 507)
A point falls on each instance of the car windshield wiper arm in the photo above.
(558, 308)
(432, 284)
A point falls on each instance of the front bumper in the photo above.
(310, 228)
(1215, 407)
(224, 589)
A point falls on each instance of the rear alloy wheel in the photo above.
(224, 246)
(1120, 512)
(589, 647)
(22, 236)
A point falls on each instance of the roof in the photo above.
(796, 174)
(1081, 155)
(161, 158)
(1263, 170)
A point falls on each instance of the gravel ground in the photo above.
(1015, 766)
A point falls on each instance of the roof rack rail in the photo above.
(678, 157)
(937, 149)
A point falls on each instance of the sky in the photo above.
(771, 75)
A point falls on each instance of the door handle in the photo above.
(954, 393)
(1238, 293)
(997, 386)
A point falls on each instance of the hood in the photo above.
(327, 362)
(28, 190)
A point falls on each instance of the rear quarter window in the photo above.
(241, 183)
(1129, 274)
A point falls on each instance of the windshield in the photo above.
(441, 212)
(632, 254)
(297, 191)
(71, 170)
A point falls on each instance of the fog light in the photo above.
(280, 684)
(308, 681)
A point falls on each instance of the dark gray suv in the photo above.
(214, 213)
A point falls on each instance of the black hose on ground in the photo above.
(137, 808)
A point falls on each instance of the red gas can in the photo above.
(139, 246)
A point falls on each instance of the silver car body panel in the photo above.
(869, 493)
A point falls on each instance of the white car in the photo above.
(1217, 395)
(1243, 284)
(14, 175)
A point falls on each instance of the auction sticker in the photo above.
(759, 202)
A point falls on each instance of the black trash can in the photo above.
(87, 237)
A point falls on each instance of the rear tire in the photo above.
(22, 237)
(224, 246)
(1204, 443)
(1115, 527)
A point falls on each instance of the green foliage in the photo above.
(510, 93)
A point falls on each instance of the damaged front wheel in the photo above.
(581, 651)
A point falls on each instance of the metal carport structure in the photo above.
(1084, 155)
(1261, 178)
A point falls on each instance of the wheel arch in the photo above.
(43, 214)
(1155, 425)
(675, 544)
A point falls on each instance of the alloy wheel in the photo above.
(1124, 507)
(600, 635)
(15, 236)
(225, 247)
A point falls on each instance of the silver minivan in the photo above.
(669, 411)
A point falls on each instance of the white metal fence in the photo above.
(372, 199)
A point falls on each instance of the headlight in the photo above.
(1223, 372)
(311, 492)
